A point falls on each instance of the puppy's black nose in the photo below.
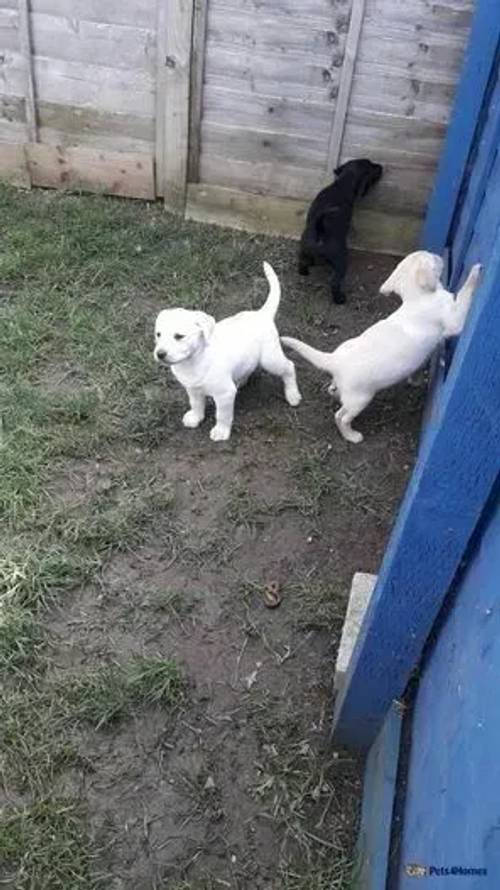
(161, 354)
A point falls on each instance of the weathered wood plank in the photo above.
(174, 59)
(262, 145)
(13, 132)
(436, 53)
(276, 113)
(106, 89)
(12, 110)
(9, 29)
(198, 49)
(447, 17)
(141, 13)
(27, 54)
(272, 33)
(346, 77)
(12, 74)
(290, 10)
(99, 141)
(402, 95)
(94, 43)
(401, 189)
(82, 122)
(379, 132)
(293, 76)
(263, 178)
(83, 169)
(285, 217)
(13, 166)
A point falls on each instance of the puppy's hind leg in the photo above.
(196, 414)
(274, 361)
(306, 260)
(350, 409)
(339, 268)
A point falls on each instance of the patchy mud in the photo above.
(241, 787)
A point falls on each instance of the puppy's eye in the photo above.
(157, 333)
(179, 336)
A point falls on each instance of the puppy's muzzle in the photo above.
(161, 356)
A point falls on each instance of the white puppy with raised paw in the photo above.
(213, 359)
(392, 350)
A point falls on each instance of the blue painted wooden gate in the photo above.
(436, 605)
(451, 815)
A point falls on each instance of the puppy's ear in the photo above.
(390, 284)
(206, 323)
(339, 170)
(426, 275)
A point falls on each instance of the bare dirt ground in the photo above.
(231, 782)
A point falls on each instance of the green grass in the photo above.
(44, 847)
(77, 381)
(81, 279)
(34, 573)
(110, 520)
(107, 694)
(41, 714)
(21, 638)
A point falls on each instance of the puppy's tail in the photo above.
(270, 307)
(321, 360)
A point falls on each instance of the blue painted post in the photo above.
(457, 466)
(478, 62)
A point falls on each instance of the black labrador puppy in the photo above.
(327, 225)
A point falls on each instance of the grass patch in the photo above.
(33, 578)
(34, 741)
(108, 521)
(21, 638)
(313, 474)
(109, 693)
(43, 847)
(40, 717)
(333, 877)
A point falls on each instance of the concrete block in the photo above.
(361, 590)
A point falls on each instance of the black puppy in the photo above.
(327, 225)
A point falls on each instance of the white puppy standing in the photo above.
(214, 359)
(391, 350)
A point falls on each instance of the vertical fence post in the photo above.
(26, 52)
(197, 66)
(175, 23)
(346, 78)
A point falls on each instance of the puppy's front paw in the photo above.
(353, 436)
(220, 433)
(293, 396)
(191, 419)
(475, 274)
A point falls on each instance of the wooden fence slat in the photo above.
(346, 78)
(175, 21)
(479, 56)
(197, 68)
(26, 52)
(371, 230)
(13, 165)
(111, 173)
